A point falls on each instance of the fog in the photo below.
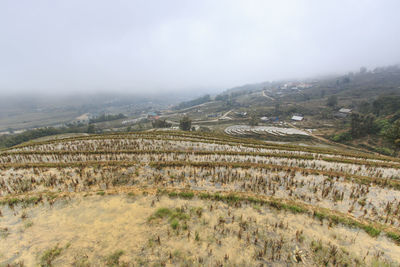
(187, 46)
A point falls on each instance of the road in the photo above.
(267, 96)
(217, 119)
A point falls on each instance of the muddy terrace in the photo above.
(186, 199)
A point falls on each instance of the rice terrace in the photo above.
(175, 198)
(244, 133)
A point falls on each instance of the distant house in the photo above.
(297, 118)
(152, 116)
(345, 110)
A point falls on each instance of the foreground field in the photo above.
(186, 199)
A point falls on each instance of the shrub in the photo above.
(341, 137)
(372, 231)
(113, 259)
(48, 256)
(394, 236)
(186, 195)
(161, 213)
(174, 224)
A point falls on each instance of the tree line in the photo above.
(10, 140)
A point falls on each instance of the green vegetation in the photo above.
(174, 223)
(113, 259)
(342, 137)
(186, 195)
(49, 256)
(185, 124)
(332, 101)
(174, 216)
(15, 139)
(28, 200)
(161, 124)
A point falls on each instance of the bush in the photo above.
(341, 137)
(174, 224)
(161, 124)
(186, 195)
(113, 259)
(49, 255)
(185, 124)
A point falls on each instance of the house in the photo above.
(297, 118)
(152, 115)
(345, 110)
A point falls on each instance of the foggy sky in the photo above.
(172, 45)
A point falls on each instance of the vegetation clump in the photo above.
(113, 259)
(47, 258)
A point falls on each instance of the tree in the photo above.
(364, 107)
(362, 125)
(91, 128)
(161, 124)
(393, 133)
(185, 124)
(277, 109)
(253, 119)
(332, 101)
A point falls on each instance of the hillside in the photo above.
(372, 99)
(190, 199)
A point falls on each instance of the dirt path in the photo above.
(322, 139)
(217, 119)
(267, 96)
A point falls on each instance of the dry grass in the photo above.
(187, 199)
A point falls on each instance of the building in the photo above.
(297, 118)
(152, 116)
(345, 110)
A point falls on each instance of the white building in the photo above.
(297, 118)
(345, 110)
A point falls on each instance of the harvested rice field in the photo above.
(186, 199)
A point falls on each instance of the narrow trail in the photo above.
(217, 119)
(322, 139)
(267, 96)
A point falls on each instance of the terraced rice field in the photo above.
(241, 130)
(173, 198)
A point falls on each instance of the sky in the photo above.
(149, 46)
